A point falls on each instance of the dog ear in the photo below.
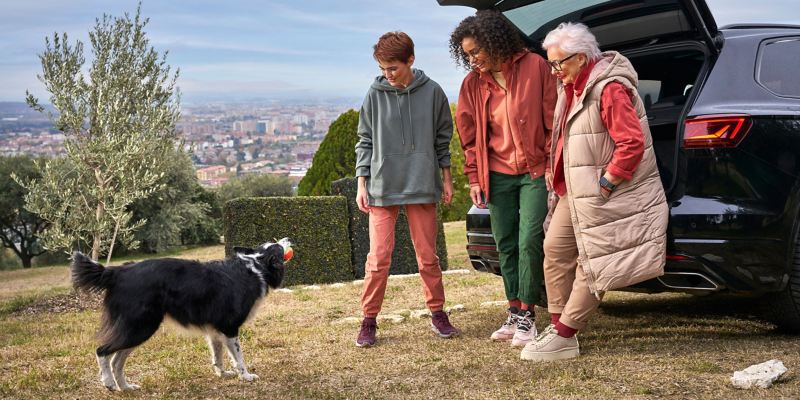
(243, 250)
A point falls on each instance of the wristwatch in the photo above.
(605, 183)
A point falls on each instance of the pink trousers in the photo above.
(424, 228)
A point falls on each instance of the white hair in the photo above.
(573, 37)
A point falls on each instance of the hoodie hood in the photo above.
(613, 65)
(419, 79)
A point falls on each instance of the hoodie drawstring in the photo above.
(410, 121)
(400, 115)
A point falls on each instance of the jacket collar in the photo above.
(579, 84)
(508, 68)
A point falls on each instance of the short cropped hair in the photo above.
(393, 46)
(573, 37)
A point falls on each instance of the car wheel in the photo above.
(783, 308)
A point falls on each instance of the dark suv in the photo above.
(724, 111)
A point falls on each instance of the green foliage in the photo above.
(19, 228)
(457, 210)
(335, 158)
(404, 259)
(255, 185)
(119, 126)
(177, 210)
(317, 227)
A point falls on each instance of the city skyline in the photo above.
(245, 50)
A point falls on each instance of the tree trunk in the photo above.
(97, 234)
(26, 261)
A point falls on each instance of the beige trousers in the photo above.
(567, 288)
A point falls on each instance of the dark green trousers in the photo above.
(517, 208)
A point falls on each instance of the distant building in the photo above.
(265, 127)
(211, 173)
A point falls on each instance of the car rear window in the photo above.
(776, 69)
(612, 22)
(529, 18)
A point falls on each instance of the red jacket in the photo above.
(532, 90)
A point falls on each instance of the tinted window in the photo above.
(777, 66)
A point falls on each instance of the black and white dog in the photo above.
(216, 297)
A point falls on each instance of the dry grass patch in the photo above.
(638, 346)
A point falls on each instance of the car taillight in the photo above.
(711, 131)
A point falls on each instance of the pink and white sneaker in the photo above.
(507, 330)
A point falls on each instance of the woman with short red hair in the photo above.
(404, 135)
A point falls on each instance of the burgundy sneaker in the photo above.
(441, 325)
(366, 336)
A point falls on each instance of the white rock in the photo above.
(337, 285)
(493, 303)
(456, 271)
(403, 276)
(393, 318)
(760, 375)
(284, 290)
(358, 282)
(311, 287)
(456, 308)
(347, 320)
(419, 314)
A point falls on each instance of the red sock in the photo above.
(565, 331)
(554, 318)
(527, 307)
(514, 303)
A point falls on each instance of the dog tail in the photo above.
(90, 275)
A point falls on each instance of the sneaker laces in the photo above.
(369, 326)
(524, 322)
(440, 318)
(511, 320)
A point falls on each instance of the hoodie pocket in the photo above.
(398, 174)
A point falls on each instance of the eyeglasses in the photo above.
(474, 52)
(556, 65)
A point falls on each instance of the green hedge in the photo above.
(317, 227)
(404, 259)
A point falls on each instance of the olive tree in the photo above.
(119, 125)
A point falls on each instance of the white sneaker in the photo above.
(550, 347)
(507, 330)
(526, 330)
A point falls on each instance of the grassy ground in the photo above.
(638, 346)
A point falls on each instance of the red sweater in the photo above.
(619, 116)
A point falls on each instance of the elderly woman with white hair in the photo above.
(607, 229)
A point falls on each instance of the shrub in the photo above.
(403, 258)
(335, 158)
(316, 225)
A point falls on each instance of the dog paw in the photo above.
(248, 377)
(224, 374)
(109, 384)
(130, 386)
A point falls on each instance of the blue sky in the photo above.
(239, 49)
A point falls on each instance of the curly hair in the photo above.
(491, 32)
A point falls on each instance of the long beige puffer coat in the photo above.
(621, 240)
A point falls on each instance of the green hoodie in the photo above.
(404, 141)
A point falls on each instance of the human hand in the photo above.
(447, 191)
(548, 180)
(476, 195)
(362, 200)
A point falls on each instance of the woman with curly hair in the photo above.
(504, 118)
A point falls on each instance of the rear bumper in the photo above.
(696, 266)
